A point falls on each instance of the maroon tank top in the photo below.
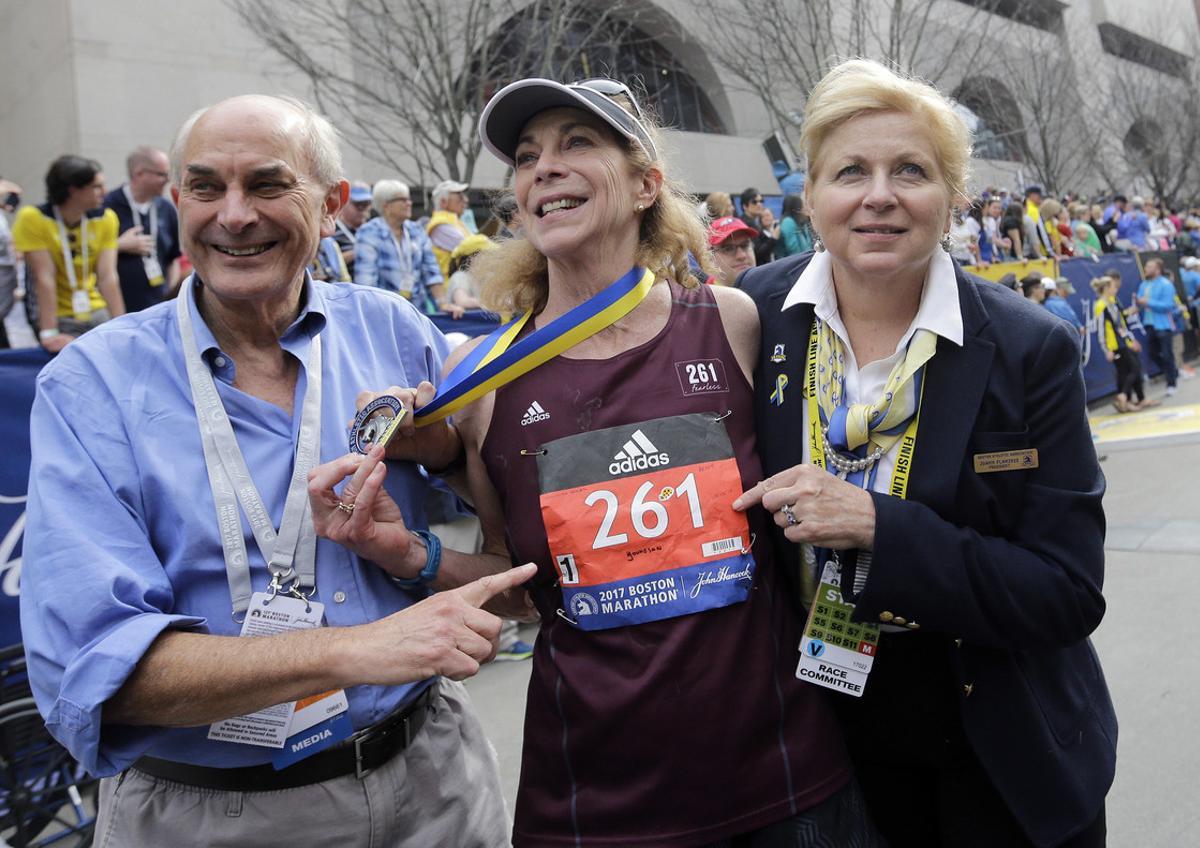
(675, 732)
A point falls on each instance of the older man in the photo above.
(149, 240)
(445, 228)
(394, 253)
(139, 571)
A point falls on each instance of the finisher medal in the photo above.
(377, 423)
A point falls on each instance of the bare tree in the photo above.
(1056, 139)
(780, 51)
(406, 80)
(1161, 122)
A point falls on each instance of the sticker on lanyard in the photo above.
(640, 523)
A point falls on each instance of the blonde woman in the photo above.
(936, 471)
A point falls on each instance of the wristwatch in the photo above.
(46, 335)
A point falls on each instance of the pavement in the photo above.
(1149, 641)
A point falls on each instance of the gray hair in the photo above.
(319, 140)
(142, 156)
(385, 192)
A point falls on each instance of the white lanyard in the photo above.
(406, 264)
(137, 217)
(350, 235)
(69, 260)
(290, 553)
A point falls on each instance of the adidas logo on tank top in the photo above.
(534, 414)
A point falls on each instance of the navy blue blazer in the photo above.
(1007, 565)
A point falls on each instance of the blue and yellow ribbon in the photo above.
(496, 361)
(780, 384)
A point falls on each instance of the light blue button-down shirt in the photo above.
(122, 540)
(377, 262)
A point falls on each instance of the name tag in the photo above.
(267, 616)
(835, 652)
(1013, 460)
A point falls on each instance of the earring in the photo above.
(818, 245)
(639, 208)
(946, 242)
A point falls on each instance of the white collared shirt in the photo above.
(939, 313)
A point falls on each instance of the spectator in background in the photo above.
(1036, 239)
(1113, 212)
(464, 288)
(10, 199)
(1119, 345)
(795, 232)
(1057, 292)
(1053, 221)
(70, 245)
(1012, 225)
(718, 204)
(1156, 296)
(964, 238)
(756, 215)
(149, 242)
(445, 228)
(999, 243)
(1087, 243)
(352, 216)
(732, 243)
(1104, 229)
(1162, 229)
(394, 253)
(1033, 288)
(1133, 226)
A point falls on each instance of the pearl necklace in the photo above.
(845, 466)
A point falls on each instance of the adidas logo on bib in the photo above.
(638, 454)
(534, 414)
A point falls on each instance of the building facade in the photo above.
(1044, 84)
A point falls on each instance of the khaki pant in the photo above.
(443, 790)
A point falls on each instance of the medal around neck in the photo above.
(377, 423)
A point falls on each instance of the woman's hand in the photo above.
(435, 446)
(363, 518)
(829, 512)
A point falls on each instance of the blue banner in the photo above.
(18, 372)
(1099, 375)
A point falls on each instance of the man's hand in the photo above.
(447, 634)
(829, 512)
(134, 241)
(434, 446)
(363, 518)
(56, 343)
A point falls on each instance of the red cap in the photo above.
(723, 228)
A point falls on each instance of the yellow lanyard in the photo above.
(816, 445)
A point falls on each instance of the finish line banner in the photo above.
(1099, 375)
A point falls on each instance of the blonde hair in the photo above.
(514, 277)
(1099, 284)
(861, 86)
(719, 205)
(1050, 209)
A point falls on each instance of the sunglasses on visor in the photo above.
(599, 92)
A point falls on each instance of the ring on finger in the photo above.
(790, 516)
(347, 508)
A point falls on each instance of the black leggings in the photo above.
(1129, 374)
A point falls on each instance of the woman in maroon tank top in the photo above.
(663, 707)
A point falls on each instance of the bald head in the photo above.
(287, 117)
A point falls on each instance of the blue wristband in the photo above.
(433, 561)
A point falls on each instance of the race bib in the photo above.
(639, 521)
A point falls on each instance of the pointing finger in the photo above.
(485, 588)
